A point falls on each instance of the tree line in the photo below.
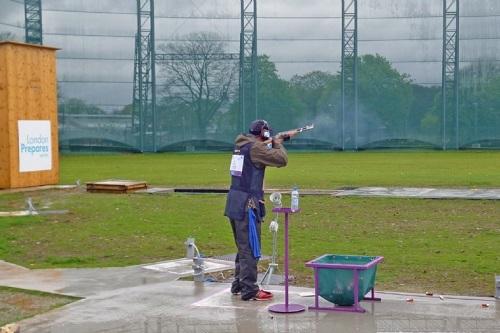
(198, 97)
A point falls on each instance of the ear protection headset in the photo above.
(265, 132)
(260, 128)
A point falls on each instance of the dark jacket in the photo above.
(247, 190)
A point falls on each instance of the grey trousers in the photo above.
(245, 274)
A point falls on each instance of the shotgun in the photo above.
(287, 134)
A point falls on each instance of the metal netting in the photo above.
(396, 100)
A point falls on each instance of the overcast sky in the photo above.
(412, 44)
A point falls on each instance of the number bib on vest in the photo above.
(236, 167)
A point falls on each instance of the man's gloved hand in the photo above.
(285, 136)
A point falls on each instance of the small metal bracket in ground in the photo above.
(31, 211)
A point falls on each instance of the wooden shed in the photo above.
(28, 115)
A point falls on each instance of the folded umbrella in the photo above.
(253, 237)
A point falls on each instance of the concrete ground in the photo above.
(424, 193)
(394, 192)
(140, 300)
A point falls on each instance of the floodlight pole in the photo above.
(33, 21)
(349, 74)
(450, 68)
(248, 63)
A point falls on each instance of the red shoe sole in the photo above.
(261, 299)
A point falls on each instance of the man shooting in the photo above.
(245, 209)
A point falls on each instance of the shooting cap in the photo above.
(257, 125)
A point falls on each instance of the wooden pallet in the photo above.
(116, 186)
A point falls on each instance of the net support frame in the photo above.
(349, 75)
(450, 73)
(33, 21)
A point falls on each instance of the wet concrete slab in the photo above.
(395, 192)
(183, 306)
(84, 282)
(136, 299)
(425, 193)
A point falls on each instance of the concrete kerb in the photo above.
(396, 192)
(38, 188)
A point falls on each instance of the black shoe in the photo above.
(235, 290)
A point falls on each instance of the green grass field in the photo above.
(308, 170)
(445, 246)
(17, 304)
(448, 246)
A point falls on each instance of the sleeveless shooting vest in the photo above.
(245, 187)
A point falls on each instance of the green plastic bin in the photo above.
(335, 277)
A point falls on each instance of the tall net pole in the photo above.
(145, 77)
(450, 73)
(33, 21)
(349, 75)
(248, 63)
(136, 101)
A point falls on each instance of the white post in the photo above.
(497, 280)
(189, 248)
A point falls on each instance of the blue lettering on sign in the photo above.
(31, 149)
(37, 140)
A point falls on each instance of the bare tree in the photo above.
(196, 79)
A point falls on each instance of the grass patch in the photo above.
(446, 246)
(308, 170)
(17, 304)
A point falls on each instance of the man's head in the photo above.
(260, 128)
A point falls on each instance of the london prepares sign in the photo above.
(35, 149)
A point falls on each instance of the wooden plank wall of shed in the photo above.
(31, 89)
(4, 129)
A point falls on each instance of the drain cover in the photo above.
(184, 266)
